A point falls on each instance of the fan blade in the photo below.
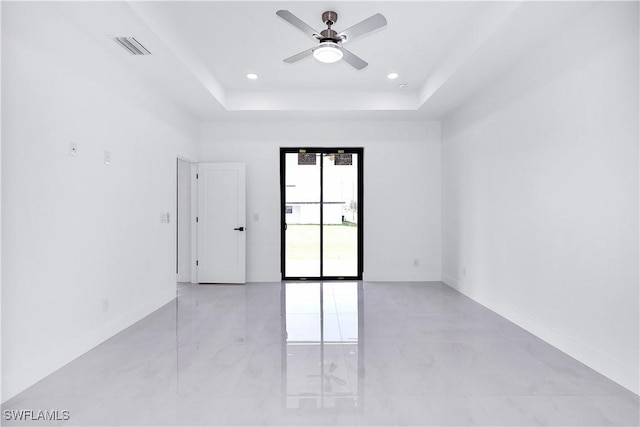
(370, 24)
(298, 23)
(353, 60)
(299, 56)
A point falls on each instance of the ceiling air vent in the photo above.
(132, 45)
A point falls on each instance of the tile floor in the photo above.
(333, 353)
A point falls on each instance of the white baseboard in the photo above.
(403, 276)
(57, 357)
(262, 276)
(626, 376)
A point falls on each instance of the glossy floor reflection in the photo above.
(327, 354)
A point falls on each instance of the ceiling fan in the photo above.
(329, 48)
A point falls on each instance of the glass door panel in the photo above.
(302, 215)
(340, 214)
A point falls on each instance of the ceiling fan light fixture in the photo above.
(328, 52)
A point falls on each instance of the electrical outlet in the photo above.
(105, 305)
(164, 217)
(73, 149)
(464, 271)
(416, 262)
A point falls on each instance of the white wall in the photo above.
(83, 251)
(540, 192)
(401, 189)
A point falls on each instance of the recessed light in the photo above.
(392, 76)
(252, 76)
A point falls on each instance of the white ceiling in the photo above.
(444, 51)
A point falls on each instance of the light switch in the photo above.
(164, 217)
(73, 149)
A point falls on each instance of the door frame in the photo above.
(193, 207)
(283, 223)
(180, 205)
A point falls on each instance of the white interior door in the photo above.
(221, 223)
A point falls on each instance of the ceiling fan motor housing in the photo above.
(329, 35)
(329, 17)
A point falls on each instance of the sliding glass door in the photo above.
(321, 197)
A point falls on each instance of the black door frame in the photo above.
(322, 150)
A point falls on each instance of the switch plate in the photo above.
(73, 149)
(164, 217)
(107, 158)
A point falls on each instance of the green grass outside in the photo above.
(340, 241)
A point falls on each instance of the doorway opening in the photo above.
(183, 221)
(321, 213)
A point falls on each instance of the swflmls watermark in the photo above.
(35, 415)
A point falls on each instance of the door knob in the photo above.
(239, 228)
